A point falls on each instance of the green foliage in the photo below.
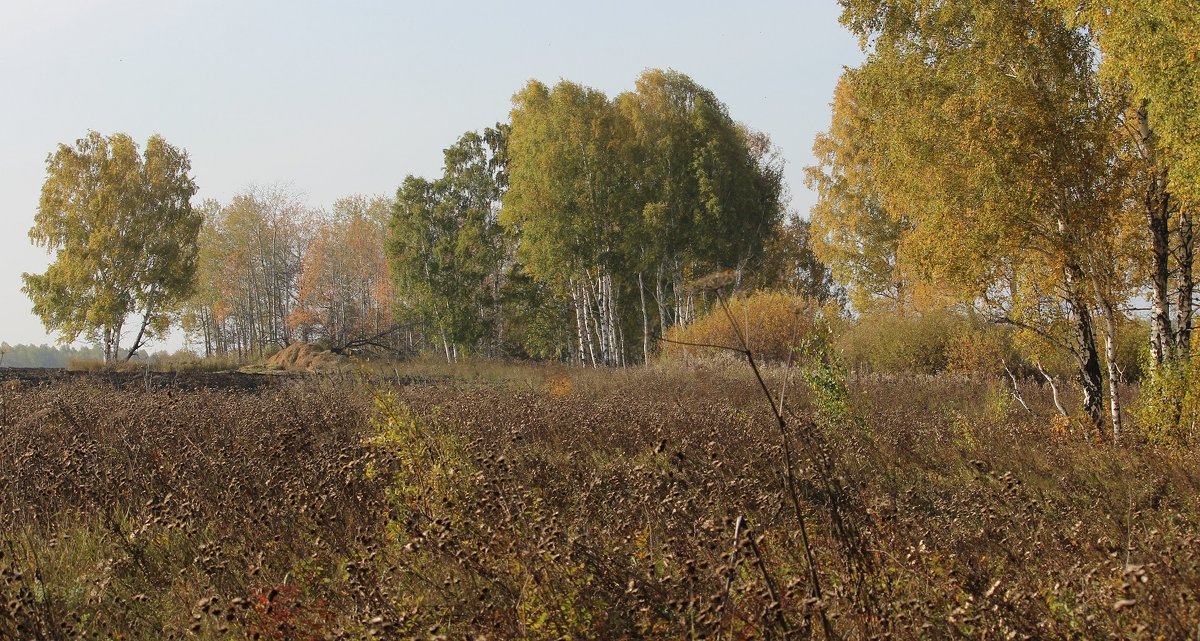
(614, 202)
(1154, 46)
(445, 245)
(919, 344)
(566, 171)
(710, 190)
(535, 318)
(123, 232)
(1168, 408)
(828, 382)
(791, 264)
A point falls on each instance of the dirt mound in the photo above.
(303, 357)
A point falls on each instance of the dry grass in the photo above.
(303, 357)
(548, 502)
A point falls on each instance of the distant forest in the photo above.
(46, 356)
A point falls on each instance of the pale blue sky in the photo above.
(338, 98)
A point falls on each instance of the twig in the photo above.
(789, 471)
(1053, 389)
(690, 344)
(774, 592)
(1016, 392)
(733, 559)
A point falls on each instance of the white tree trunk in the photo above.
(645, 321)
(1114, 373)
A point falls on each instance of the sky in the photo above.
(346, 97)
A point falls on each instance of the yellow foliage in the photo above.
(773, 324)
(979, 348)
(559, 386)
(890, 343)
(1060, 426)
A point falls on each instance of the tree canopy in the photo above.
(123, 232)
(617, 202)
(975, 149)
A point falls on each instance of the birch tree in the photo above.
(1151, 50)
(446, 248)
(988, 131)
(121, 226)
(345, 289)
(251, 254)
(570, 200)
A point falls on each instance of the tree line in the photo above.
(570, 232)
(271, 271)
(573, 230)
(59, 356)
(1031, 162)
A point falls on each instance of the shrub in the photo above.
(980, 348)
(885, 342)
(772, 323)
(1168, 408)
(1133, 349)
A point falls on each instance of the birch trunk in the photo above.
(595, 321)
(645, 321)
(1186, 285)
(1157, 202)
(611, 324)
(580, 324)
(586, 322)
(600, 317)
(660, 298)
(1114, 374)
(1086, 356)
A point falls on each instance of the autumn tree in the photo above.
(1150, 50)
(569, 199)
(619, 203)
(983, 129)
(344, 291)
(204, 312)
(709, 191)
(251, 255)
(791, 265)
(850, 229)
(121, 226)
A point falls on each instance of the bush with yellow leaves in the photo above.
(773, 324)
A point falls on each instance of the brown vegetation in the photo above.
(606, 505)
(302, 357)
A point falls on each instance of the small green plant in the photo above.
(826, 378)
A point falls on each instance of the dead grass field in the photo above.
(547, 503)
